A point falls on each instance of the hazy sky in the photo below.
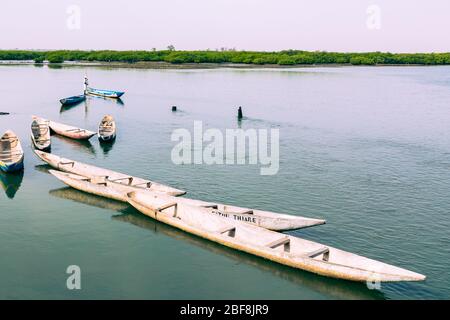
(345, 25)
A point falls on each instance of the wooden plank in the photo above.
(166, 206)
(169, 205)
(325, 251)
(148, 184)
(66, 163)
(235, 212)
(282, 241)
(231, 231)
(226, 229)
(130, 179)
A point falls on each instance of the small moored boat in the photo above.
(90, 171)
(101, 92)
(11, 152)
(72, 100)
(69, 131)
(281, 248)
(40, 134)
(104, 93)
(107, 129)
(274, 221)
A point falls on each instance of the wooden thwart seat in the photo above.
(147, 184)
(66, 163)
(325, 251)
(285, 241)
(244, 212)
(130, 179)
(75, 129)
(212, 206)
(231, 231)
(169, 205)
(166, 206)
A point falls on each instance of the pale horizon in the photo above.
(325, 25)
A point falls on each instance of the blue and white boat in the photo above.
(101, 92)
(11, 152)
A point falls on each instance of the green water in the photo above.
(365, 148)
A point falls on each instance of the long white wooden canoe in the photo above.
(269, 220)
(40, 134)
(11, 152)
(107, 129)
(87, 170)
(284, 249)
(69, 131)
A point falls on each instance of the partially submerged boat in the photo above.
(281, 248)
(103, 187)
(90, 171)
(40, 134)
(69, 131)
(11, 152)
(107, 129)
(72, 100)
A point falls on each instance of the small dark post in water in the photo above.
(174, 108)
(240, 116)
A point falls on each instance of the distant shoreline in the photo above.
(166, 65)
(207, 59)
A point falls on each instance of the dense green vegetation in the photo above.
(287, 57)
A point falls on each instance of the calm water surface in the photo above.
(365, 148)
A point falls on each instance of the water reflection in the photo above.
(107, 146)
(118, 101)
(89, 199)
(11, 182)
(43, 168)
(80, 145)
(338, 289)
(65, 108)
(55, 66)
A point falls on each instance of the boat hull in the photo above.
(107, 129)
(104, 93)
(69, 131)
(12, 167)
(86, 170)
(40, 135)
(40, 147)
(109, 138)
(259, 242)
(72, 100)
(119, 192)
(11, 153)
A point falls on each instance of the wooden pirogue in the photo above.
(87, 170)
(107, 129)
(68, 131)
(40, 134)
(284, 249)
(11, 152)
(265, 219)
(72, 100)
